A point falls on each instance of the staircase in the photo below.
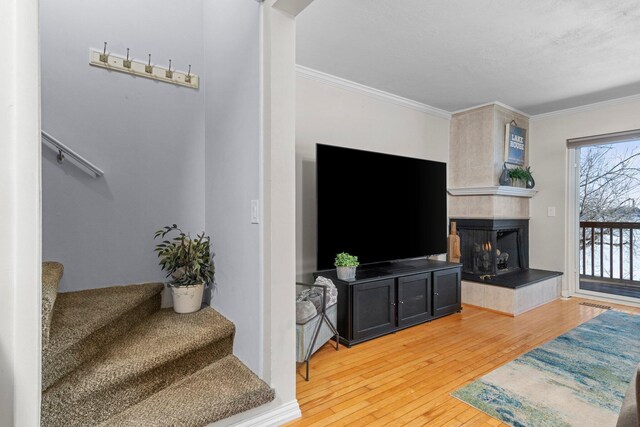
(112, 357)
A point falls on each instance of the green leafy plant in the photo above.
(187, 261)
(345, 260)
(519, 174)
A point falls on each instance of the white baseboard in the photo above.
(272, 418)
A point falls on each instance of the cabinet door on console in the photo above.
(414, 299)
(446, 292)
(374, 308)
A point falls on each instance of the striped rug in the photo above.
(577, 379)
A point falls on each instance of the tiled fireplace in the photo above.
(492, 247)
(493, 220)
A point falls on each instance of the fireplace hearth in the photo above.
(493, 247)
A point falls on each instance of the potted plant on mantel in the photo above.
(346, 266)
(189, 263)
(521, 177)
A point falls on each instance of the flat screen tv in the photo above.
(379, 207)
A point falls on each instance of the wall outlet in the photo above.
(551, 211)
(255, 212)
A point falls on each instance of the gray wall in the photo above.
(233, 167)
(147, 136)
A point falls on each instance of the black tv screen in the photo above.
(379, 207)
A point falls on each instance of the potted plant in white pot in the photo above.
(346, 266)
(189, 264)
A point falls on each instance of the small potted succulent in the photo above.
(346, 266)
(189, 264)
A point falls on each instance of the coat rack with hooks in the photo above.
(142, 69)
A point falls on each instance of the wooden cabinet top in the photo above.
(371, 272)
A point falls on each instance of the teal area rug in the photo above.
(577, 379)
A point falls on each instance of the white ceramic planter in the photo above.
(346, 273)
(187, 299)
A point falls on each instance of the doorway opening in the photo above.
(608, 209)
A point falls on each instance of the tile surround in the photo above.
(476, 156)
(511, 301)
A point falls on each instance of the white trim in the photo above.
(493, 191)
(498, 103)
(20, 215)
(349, 85)
(572, 224)
(336, 81)
(612, 299)
(264, 352)
(587, 107)
(292, 7)
(275, 417)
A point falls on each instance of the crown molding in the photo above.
(498, 103)
(587, 107)
(349, 85)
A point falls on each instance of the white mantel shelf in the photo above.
(494, 191)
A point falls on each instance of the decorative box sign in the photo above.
(514, 145)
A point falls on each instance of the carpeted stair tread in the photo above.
(158, 352)
(86, 321)
(220, 390)
(51, 275)
(78, 314)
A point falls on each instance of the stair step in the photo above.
(161, 350)
(85, 321)
(51, 275)
(222, 389)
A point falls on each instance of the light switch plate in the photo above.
(551, 211)
(255, 212)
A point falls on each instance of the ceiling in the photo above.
(534, 55)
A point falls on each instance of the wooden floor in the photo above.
(404, 379)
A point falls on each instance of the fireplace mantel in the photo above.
(493, 191)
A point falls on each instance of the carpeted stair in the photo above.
(223, 379)
(84, 322)
(113, 358)
(51, 275)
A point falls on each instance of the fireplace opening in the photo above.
(491, 247)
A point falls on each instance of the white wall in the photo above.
(20, 215)
(331, 115)
(549, 163)
(279, 119)
(147, 136)
(233, 167)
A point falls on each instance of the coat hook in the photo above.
(60, 156)
(187, 78)
(127, 62)
(148, 68)
(103, 56)
(169, 73)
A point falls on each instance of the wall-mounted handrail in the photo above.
(65, 152)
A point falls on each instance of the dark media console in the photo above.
(388, 297)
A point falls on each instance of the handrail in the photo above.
(609, 224)
(61, 148)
